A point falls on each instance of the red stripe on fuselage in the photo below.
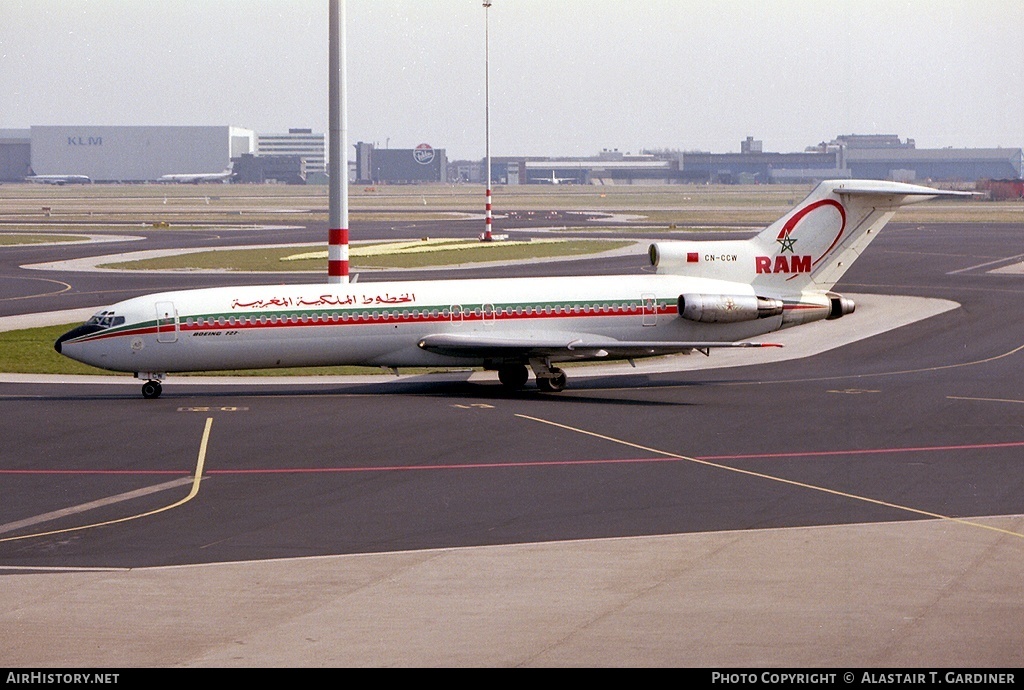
(357, 319)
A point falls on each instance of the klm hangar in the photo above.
(135, 154)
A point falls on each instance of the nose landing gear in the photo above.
(152, 388)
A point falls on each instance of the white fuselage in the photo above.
(381, 324)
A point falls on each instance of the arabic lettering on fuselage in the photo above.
(389, 299)
(324, 301)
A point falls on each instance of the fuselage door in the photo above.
(166, 322)
(649, 308)
(456, 313)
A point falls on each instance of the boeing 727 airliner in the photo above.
(704, 295)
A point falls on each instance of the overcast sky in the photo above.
(568, 77)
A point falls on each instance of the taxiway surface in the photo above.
(856, 506)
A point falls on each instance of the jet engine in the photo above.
(727, 308)
(839, 306)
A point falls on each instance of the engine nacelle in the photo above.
(839, 306)
(719, 259)
(727, 308)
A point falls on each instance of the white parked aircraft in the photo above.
(196, 178)
(553, 179)
(705, 294)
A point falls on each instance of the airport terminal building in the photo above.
(145, 154)
(878, 157)
(306, 144)
(400, 166)
(15, 154)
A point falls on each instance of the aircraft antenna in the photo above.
(337, 233)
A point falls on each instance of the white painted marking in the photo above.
(92, 505)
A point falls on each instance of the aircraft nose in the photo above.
(78, 332)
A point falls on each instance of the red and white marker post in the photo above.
(337, 233)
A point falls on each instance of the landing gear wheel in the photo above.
(513, 376)
(554, 383)
(151, 390)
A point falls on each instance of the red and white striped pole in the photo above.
(487, 237)
(337, 233)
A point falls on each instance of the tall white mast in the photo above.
(487, 237)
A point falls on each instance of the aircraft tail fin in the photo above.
(809, 248)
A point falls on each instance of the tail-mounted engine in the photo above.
(839, 306)
(727, 308)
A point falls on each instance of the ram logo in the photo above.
(792, 262)
(783, 264)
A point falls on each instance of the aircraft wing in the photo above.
(563, 346)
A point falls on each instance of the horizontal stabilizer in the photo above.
(882, 188)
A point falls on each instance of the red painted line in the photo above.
(625, 461)
(538, 463)
(467, 466)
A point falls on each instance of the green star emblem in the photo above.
(787, 242)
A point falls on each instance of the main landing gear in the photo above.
(549, 379)
(513, 376)
(152, 388)
(554, 382)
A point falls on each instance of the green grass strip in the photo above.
(30, 351)
(18, 238)
(270, 259)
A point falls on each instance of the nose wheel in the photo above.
(151, 390)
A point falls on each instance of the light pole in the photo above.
(337, 232)
(487, 237)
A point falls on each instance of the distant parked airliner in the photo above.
(196, 178)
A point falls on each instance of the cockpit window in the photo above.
(105, 319)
